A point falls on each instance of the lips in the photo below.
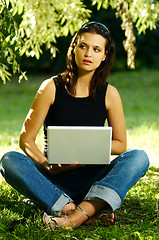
(85, 61)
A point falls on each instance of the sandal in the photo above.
(102, 218)
(81, 210)
(53, 220)
(107, 219)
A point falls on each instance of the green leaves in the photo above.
(30, 24)
(4, 74)
(8, 31)
(143, 14)
(27, 25)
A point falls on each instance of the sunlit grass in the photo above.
(146, 138)
(140, 97)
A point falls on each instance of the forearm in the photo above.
(32, 151)
(118, 147)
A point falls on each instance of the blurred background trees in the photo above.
(32, 30)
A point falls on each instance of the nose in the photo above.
(88, 52)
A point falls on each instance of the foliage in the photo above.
(39, 23)
(26, 26)
(144, 14)
(8, 30)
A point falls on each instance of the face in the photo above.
(90, 51)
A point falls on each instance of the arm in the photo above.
(33, 122)
(116, 120)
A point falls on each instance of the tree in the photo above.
(144, 14)
(27, 25)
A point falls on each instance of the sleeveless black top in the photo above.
(75, 111)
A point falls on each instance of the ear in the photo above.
(105, 55)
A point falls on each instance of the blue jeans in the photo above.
(109, 183)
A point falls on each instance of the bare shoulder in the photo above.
(47, 89)
(112, 96)
(112, 91)
(47, 84)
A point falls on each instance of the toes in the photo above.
(107, 218)
(111, 218)
(104, 218)
(54, 222)
(68, 208)
(45, 218)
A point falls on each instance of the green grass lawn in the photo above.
(138, 218)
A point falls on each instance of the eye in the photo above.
(96, 49)
(82, 46)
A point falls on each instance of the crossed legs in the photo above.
(110, 187)
(85, 212)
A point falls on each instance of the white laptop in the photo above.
(84, 145)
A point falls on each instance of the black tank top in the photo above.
(75, 111)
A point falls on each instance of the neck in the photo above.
(83, 84)
(84, 78)
(85, 75)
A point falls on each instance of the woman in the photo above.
(76, 194)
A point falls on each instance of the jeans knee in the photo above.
(142, 160)
(8, 162)
(7, 158)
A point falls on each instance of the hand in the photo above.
(58, 168)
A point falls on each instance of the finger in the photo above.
(51, 167)
(75, 163)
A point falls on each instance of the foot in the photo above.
(52, 223)
(73, 220)
(105, 218)
(68, 208)
(79, 216)
(63, 221)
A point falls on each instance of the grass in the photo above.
(138, 218)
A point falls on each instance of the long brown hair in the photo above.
(70, 75)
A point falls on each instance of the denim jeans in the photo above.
(109, 183)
